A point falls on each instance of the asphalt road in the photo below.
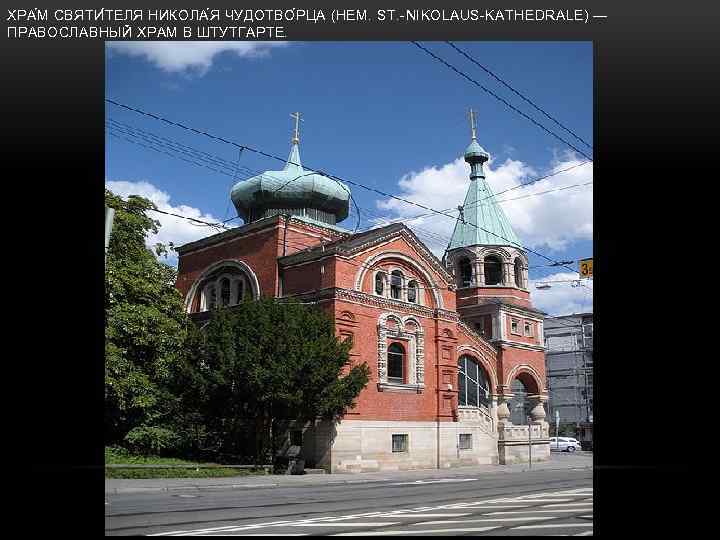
(550, 502)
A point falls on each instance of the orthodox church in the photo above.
(454, 346)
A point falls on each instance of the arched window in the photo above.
(396, 282)
(379, 283)
(465, 272)
(493, 270)
(518, 272)
(412, 291)
(396, 363)
(225, 291)
(473, 383)
(223, 287)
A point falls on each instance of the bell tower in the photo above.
(490, 267)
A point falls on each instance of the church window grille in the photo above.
(400, 442)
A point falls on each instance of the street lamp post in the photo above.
(529, 441)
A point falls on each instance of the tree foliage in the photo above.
(145, 324)
(264, 364)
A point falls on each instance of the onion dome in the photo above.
(293, 191)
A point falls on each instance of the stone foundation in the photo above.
(514, 443)
(365, 446)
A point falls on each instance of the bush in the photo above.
(152, 440)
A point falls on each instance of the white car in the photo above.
(564, 444)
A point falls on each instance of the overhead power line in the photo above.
(514, 91)
(331, 176)
(501, 99)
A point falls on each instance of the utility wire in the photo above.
(174, 145)
(502, 100)
(526, 99)
(375, 190)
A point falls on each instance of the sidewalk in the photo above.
(558, 461)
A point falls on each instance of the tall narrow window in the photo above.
(240, 284)
(379, 283)
(225, 291)
(396, 281)
(465, 272)
(396, 363)
(211, 297)
(412, 291)
(493, 270)
(518, 272)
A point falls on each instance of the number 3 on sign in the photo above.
(586, 268)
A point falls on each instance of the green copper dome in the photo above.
(294, 191)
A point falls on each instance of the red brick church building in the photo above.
(454, 346)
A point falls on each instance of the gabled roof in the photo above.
(357, 242)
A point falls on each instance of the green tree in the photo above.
(145, 329)
(264, 364)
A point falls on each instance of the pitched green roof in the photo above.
(482, 221)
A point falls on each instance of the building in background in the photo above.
(569, 370)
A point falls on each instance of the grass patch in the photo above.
(217, 472)
(120, 456)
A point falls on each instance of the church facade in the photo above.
(454, 346)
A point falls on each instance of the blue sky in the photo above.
(382, 114)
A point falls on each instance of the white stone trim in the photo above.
(525, 367)
(415, 350)
(376, 259)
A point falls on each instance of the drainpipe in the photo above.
(284, 252)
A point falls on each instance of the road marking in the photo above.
(569, 504)
(539, 511)
(482, 506)
(584, 533)
(553, 499)
(416, 531)
(360, 524)
(417, 514)
(553, 525)
(439, 481)
(440, 522)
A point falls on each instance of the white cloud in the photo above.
(551, 220)
(172, 229)
(562, 298)
(195, 56)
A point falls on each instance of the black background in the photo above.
(656, 86)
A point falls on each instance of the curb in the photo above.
(140, 489)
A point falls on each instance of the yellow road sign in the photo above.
(586, 268)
